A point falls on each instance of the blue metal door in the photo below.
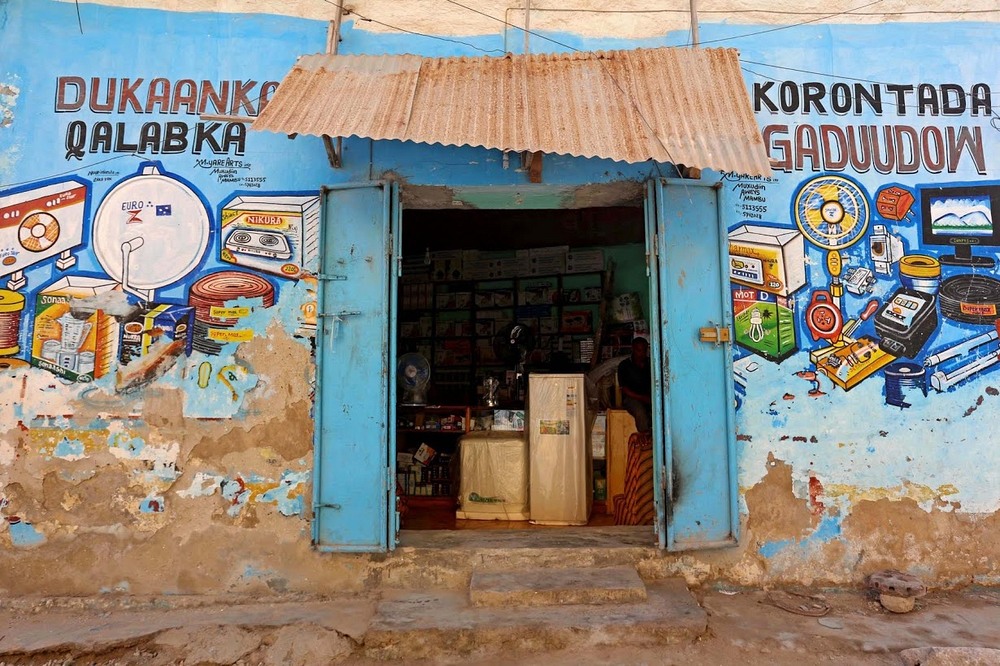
(354, 482)
(692, 362)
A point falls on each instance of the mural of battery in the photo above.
(41, 221)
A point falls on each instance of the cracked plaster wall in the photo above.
(173, 476)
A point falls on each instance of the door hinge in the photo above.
(326, 277)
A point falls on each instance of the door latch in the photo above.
(715, 334)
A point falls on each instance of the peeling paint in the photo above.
(23, 534)
(8, 100)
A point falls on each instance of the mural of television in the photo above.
(962, 217)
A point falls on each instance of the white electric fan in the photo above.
(414, 374)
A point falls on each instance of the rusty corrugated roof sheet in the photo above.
(590, 104)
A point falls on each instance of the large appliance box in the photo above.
(560, 460)
(494, 476)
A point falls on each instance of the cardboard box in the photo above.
(446, 265)
(585, 261)
(767, 258)
(577, 321)
(151, 323)
(764, 323)
(278, 234)
(519, 266)
(74, 343)
(508, 419)
(626, 307)
(599, 436)
(547, 260)
(503, 298)
(424, 454)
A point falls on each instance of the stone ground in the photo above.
(745, 627)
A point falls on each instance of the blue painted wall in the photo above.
(847, 449)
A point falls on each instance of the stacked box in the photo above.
(70, 339)
(585, 261)
(447, 265)
(764, 323)
(767, 258)
(278, 234)
(151, 323)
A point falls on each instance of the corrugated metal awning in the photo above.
(686, 106)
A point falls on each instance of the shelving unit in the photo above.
(439, 426)
(453, 323)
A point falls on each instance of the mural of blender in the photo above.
(65, 352)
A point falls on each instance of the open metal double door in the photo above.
(693, 408)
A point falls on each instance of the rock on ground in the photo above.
(209, 645)
(950, 656)
(304, 645)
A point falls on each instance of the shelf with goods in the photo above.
(426, 444)
(453, 324)
(425, 454)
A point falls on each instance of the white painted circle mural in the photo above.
(157, 224)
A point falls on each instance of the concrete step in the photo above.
(445, 559)
(418, 625)
(547, 587)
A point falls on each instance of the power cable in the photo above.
(421, 34)
(604, 65)
(412, 32)
(782, 27)
(729, 12)
(702, 43)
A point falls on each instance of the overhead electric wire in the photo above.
(782, 27)
(702, 43)
(730, 12)
(413, 32)
(604, 65)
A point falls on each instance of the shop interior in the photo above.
(510, 327)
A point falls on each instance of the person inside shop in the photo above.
(635, 383)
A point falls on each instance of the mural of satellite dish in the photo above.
(151, 230)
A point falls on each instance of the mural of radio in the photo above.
(39, 222)
(275, 233)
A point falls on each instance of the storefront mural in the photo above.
(158, 282)
(886, 289)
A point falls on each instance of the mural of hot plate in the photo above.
(150, 231)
